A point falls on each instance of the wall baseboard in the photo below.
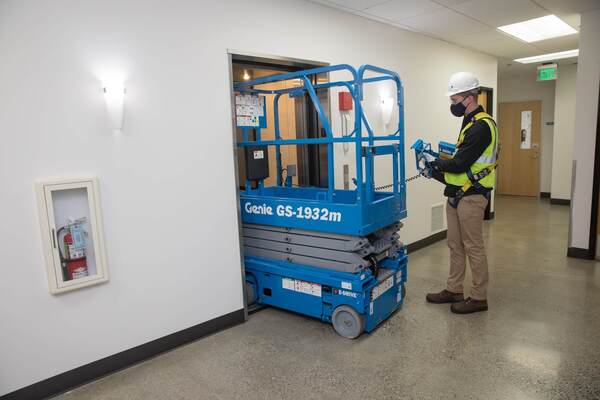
(544, 195)
(577, 252)
(419, 244)
(560, 202)
(97, 369)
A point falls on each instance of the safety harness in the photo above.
(475, 178)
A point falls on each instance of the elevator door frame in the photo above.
(265, 60)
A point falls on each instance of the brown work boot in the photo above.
(444, 296)
(469, 306)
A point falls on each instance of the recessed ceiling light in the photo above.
(549, 57)
(537, 29)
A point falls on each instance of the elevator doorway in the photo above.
(298, 119)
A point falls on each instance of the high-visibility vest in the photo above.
(484, 167)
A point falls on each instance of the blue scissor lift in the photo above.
(324, 252)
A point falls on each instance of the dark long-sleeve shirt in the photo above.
(476, 140)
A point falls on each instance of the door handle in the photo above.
(53, 238)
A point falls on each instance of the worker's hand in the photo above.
(434, 165)
(425, 170)
(423, 167)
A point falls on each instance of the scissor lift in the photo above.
(324, 252)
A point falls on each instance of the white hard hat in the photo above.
(462, 82)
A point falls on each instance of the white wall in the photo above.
(588, 86)
(167, 182)
(526, 88)
(564, 132)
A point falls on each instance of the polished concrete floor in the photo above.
(539, 340)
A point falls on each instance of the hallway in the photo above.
(539, 340)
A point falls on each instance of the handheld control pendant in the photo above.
(425, 154)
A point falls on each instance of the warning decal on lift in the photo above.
(249, 110)
(382, 288)
(296, 285)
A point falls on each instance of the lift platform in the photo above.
(329, 253)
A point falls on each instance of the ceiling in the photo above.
(472, 23)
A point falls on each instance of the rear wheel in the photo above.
(347, 322)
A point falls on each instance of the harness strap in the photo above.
(479, 116)
(475, 178)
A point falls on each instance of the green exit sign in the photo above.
(546, 72)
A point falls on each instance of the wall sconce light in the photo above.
(387, 106)
(114, 95)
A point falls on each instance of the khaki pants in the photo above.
(465, 238)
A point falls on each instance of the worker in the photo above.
(469, 177)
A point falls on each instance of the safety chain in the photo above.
(412, 178)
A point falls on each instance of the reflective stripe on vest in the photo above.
(487, 159)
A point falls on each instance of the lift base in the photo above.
(352, 302)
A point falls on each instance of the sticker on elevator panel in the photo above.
(346, 285)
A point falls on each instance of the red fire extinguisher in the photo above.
(73, 253)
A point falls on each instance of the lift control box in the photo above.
(257, 162)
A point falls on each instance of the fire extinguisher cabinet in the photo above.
(72, 234)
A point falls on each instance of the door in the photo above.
(287, 128)
(482, 99)
(297, 120)
(519, 163)
(312, 158)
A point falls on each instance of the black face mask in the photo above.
(458, 109)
